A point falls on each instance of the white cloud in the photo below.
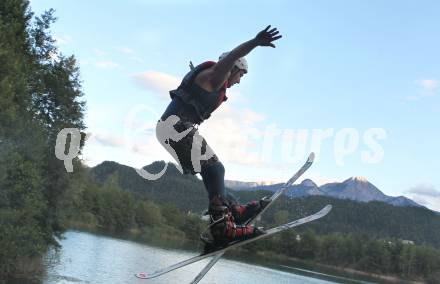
(106, 139)
(106, 64)
(424, 189)
(425, 194)
(135, 151)
(157, 82)
(427, 87)
(429, 202)
(419, 200)
(236, 97)
(428, 84)
(231, 133)
(250, 117)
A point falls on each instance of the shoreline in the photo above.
(346, 271)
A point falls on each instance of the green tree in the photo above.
(281, 217)
(148, 214)
(308, 245)
(173, 216)
(33, 87)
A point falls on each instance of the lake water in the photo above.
(90, 258)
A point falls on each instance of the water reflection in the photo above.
(89, 258)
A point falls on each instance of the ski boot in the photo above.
(243, 213)
(223, 229)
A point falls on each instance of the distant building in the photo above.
(407, 242)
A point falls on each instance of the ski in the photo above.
(268, 233)
(290, 182)
(207, 268)
(275, 196)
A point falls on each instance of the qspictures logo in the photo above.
(289, 143)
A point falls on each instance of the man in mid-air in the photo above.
(202, 91)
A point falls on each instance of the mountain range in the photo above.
(354, 188)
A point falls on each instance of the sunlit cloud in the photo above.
(420, 200)
(428, 84)
(230, 133)
(157, 82)
(230, 129)
(427, 87)
(136, 151)
(106, 139)
(425, 194)
(424, 189)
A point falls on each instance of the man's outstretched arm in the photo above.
(221, 70)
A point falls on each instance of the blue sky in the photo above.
(351, 68)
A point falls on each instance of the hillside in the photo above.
(184, 191)
(374, 218)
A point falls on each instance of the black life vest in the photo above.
(202, 101)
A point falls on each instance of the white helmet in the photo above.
(241, 63)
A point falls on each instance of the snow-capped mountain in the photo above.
(354, 188)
